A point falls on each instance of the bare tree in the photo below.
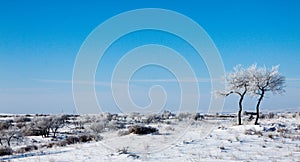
(265, 80)
(56, 122)
(8, 132)
(238, 82)
(4, 126)
(42, 125)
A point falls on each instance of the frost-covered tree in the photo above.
(238, 82)
(42, 125)
(56, 122)
(265, 80)
(255, 81)
(8, 132)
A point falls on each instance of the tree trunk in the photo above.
(8, 140)
(241, 105)
(257, 106)
(240, 110)
(54, 132)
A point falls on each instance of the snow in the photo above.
(205, 140)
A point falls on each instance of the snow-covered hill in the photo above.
(275, 139)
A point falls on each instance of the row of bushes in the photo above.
(5, 150)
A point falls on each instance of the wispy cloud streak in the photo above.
(198, 80)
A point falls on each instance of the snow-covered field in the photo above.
(210, 139)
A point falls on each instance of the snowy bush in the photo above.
(21, 125)
(252, 131)
(27, 149)
(71, 140)
(113, 125)
(98, 127)
(22, 119)
(198, 116)
(271, 115)
(167, 114)
(87, 138)
(5, 124)
(184, 116)
(28, 130)
(151, 118)
(123, 132)
(41, 126)
(135, 116)
(136, 129)
(123, 150)
(4, 150)
(168, 128)
(107, 116)
(79, 139)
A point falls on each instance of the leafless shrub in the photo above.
(261, 116)
(198, 116)
(27, 149)
(168, 122)
(296, 138)
(59, 143)
(135, 116)
(5, 124)
(98, 127)
(28, 130)
(271, 136)
(252, 131)
(80, 139)
(168, 128)
(123, 132)
(4, 150)
(114, 125)
(136, 129)
(88, 137)
(271, 115)
(283, 116)
(21, 125)
(123, 150)
(71, 140)
(184, 116)
(167, 114)
(22, 119)
(282, 130)
(151, 118)
(107, 116)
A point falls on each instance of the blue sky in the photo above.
(39, 41)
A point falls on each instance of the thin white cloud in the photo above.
(293, 79)
(72, 82)
(198, 80)
(25, 90)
